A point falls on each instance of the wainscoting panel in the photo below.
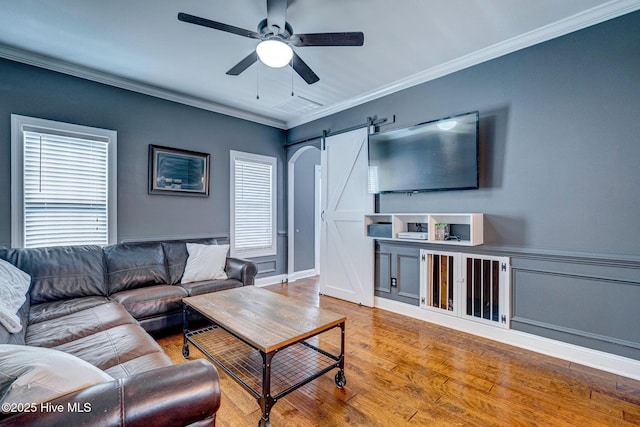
(593, 303)
(264, 267)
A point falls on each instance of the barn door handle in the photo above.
(322, 215)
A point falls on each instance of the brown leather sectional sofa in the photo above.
(101, 305)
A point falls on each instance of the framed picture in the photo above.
(178, 172)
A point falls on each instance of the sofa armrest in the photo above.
(241, 269)
(178, 395)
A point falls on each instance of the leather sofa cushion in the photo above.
(206, 286)
(135, 265)
(113, 346)
(176, 254)
(139, 364)
(61, 273)
(167, 324)
(77, 325)
(151, 301)
(54, 309)
(181, 395)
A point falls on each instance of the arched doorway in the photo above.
(303, 212)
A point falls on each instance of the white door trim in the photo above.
(291, 164)
(316, 216)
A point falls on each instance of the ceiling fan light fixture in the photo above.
(274, 53)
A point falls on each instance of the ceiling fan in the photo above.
(277, 39)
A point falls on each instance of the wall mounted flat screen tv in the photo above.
(432, 156)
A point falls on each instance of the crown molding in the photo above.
(585, 19)
(86, 73)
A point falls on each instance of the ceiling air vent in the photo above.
(297, 105)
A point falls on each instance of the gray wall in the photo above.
(304, 209)
(560, 176)
(141, 120)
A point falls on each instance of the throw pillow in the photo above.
(205, 262)
(14, 284)
(33, 375)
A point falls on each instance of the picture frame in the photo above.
(178, 172)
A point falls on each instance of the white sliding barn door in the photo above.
(346, 254)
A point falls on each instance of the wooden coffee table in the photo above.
(269, 343)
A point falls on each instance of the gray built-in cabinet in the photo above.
(469, 286)
(397, 272)
(397, 257)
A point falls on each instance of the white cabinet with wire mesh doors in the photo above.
(469, 286)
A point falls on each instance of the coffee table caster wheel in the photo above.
(265, 424)
(185, 352)
(341, 380)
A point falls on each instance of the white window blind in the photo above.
(65, 188)
(253, 204)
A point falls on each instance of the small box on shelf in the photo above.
(379, 229)
(378, 226)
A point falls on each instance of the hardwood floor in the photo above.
(406, 372)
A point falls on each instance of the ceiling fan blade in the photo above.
(276, 15)
(191, 19)
(244, 64)
(328, 39)
(303, 69)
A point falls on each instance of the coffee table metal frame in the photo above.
(255, 370)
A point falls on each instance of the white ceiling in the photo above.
(141, 45)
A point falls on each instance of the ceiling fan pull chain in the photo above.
(291, 63)
(258, 80)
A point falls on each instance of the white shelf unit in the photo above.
(468, 226)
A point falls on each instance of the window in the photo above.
(63, 184)
(253, 205)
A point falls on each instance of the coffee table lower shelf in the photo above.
(284, 369)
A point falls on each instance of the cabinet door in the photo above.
(382, 272)
(440, 272)
(486, 289)
(407, 274)
(397, 273)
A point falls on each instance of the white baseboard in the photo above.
(280, 278)
(270, 280)
(297, 275)
(584, 356)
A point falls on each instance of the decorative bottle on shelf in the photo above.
(442, 231)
